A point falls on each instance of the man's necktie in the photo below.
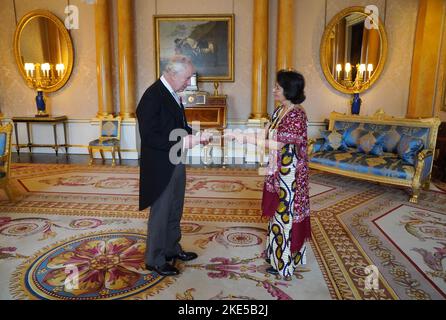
(180, 102)
(184, 113)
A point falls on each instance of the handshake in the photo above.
(201, 137)
(236, 135)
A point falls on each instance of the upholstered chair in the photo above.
(109, 139)
(5, 158)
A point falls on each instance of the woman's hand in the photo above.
(234, 135)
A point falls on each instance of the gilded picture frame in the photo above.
(207, 39)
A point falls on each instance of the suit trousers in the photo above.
(164, 230)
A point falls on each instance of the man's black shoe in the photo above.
(165, 270)
(183, 256)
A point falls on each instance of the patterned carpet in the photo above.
(74, 232)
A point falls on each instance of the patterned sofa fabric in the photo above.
(388, 165)
(393, 133)
(378, 149)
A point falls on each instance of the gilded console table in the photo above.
(54, 121)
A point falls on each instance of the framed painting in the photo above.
(208, 40)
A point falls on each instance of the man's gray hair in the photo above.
(178, 64)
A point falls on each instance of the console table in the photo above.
(54, 121)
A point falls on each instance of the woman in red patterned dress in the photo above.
(286, 191)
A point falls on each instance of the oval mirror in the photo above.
(43, 51)
(353, 50)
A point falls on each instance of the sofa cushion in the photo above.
(352, 136)
(391, 140)
(408, 148)
(105, 143)
(387, 165)
(372, 143)
(393, 132)
(333, 140)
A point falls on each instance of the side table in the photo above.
(54, 121)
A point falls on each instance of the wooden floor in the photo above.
(84, 159)
(63, 159)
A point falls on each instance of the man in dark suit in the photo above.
(162, 181)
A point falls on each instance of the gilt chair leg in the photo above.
(102, 155)
(119, 155)
(113, 152)
(90, 151)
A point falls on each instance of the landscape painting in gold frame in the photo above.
(207, 39)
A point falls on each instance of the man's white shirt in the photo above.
(172, 92)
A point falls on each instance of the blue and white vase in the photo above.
(356, 103)
(40, 103)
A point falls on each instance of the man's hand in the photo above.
(236, 134)
(192, 141)
(205, 137)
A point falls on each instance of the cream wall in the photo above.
(390, 92)
(78, 99)
(239, 91)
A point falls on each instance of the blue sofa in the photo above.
(376, 148)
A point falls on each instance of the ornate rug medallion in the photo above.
(98, 266)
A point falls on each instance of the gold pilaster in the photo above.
(285, 35)
(260, 61)
(126, 59)
(103, 58)
(426, 58)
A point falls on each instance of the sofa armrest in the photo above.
(314, 145)
(423, 165)
(423, 154)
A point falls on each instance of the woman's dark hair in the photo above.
(293, 84)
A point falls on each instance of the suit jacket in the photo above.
(158, 114)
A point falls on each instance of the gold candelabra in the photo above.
(344, 75)
(40, 76)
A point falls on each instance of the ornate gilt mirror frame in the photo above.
(65, 36)
(325, 47)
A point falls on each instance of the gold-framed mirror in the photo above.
(43, 51)
(353, 50)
